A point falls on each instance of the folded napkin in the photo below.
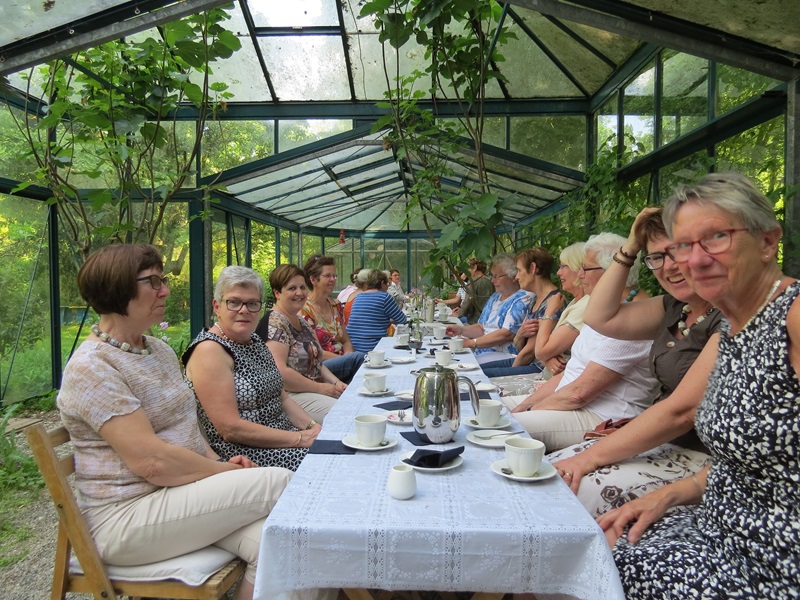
(329, 447)
(483, 395)
(394, 405)
(431, 459)
(415, 438)
(406, 347)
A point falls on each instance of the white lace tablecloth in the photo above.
(467, 529)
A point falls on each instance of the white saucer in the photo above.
(465, 366)
(405, 394)
(462, 351)
(485, 387)
(472, 422)
(498, 442)
(456, 462)
(383, 366)
(365, 392)
(401, 360)
(546, 471)
(391, 417)
(351, 441)
(435, 342)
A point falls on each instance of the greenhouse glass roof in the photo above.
(317, 60)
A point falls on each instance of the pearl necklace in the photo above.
(124, 346)
(685, 314)
(766, 301)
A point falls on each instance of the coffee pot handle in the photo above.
(473, 394)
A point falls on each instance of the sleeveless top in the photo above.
(258, 386)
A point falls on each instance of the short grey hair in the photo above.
(507, 262)
(730, 192)
(234, 275)
(605, 245)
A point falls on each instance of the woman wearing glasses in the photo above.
(493, 334)
(325, 317)
(242, 406)
(148, 484)
(293, 343)
(740, 536)
(605, 474)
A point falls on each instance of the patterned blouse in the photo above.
(305, 351)
(329, 331)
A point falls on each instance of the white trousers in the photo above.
(556, 428)
(316, 405)
(226, 510)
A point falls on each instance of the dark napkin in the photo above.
(329, 447)
(394, 405)
(406, 347)
(482, 394)
(414, 438)
(432, 459)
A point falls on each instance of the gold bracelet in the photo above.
(626, 255)
(619, 261)
(310, 425)
(475, 346)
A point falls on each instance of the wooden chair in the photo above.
(73, 535)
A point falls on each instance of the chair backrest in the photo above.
(73, 532)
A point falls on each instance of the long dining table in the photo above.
(467, 529)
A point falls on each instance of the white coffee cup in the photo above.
(370, 429)
(439, 332)
(443, 357)
(489, 413)
(457, 344)
(375, 382)
(402, 482)
(376, 358)
(524, 455)
(402, 339)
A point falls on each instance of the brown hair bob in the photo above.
(282, 275)
(313, 267)
(107, 280)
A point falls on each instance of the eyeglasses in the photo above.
(493, 276)
(156, 281)
(328, 276)
(586, 269)
(236, 305)
(714, 243)
(655, 260)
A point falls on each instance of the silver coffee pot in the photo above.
(437, 403)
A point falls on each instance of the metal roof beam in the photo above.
(670, 32)
(114, 23)
(367, 109)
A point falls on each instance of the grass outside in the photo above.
(14, 530)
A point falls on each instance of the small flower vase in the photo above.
(430, 308)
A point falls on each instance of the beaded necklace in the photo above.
(685, 314)
(124, 346)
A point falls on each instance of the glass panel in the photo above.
(311, 245)
(561, 140)
(607, 121)
(347, 255)
(684, 104)
(757, 153)
(15, 159)
(297, 13)
(736, 86)
(615, 47)
(263, 254)
(174, 246)
(309, 67)
(229, 144)
(546, 80)
(494, 132)
(419, 260)
(683, 172)
(366, 61)
(587, 68)
(219, 243)
(25, 358)
(639, 110)
(292, 134)
(289, 246)
(241, 72)
(239, 244)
